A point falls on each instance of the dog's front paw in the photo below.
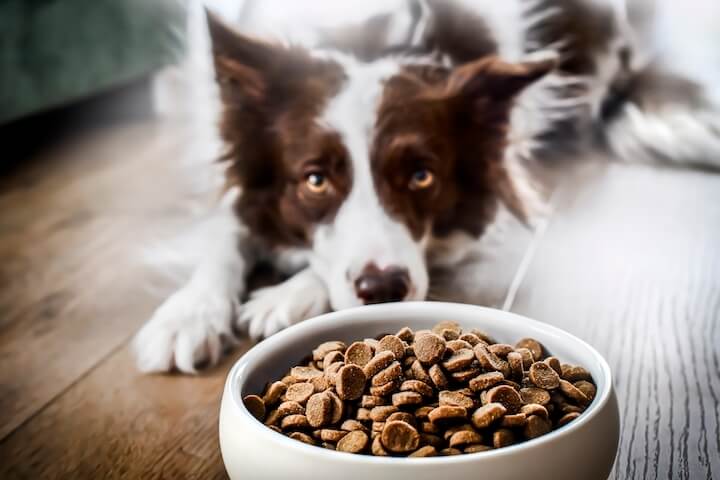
(192, 328)
(271, 309)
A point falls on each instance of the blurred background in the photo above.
(108, 115)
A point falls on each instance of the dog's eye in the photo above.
(317, 183)
(422, 179)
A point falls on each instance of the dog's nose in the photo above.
(390, 284)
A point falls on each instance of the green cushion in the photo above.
(55, 51)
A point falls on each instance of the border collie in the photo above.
(387, 149)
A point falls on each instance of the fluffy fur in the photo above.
(368, 167)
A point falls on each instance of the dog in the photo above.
(359, 164)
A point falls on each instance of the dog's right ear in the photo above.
(244, 66)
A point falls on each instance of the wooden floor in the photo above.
(629, 260)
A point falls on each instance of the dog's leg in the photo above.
(271, 309)
(194, 325)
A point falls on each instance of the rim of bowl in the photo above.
(237, 371)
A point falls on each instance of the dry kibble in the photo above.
(426, 451)
(486, 380)
(447, 414)
(455, 399)
(507, 396)
(486, 415)
(542, 375)
(418, 387)
(353, 442)
(459, 360)
(378, 362)
(534, 395)
(327, 347)
(438, 377)
(256, 406)
(292, 422)
(358, 353)
(429, 348)
(274, 392)
(300, 392)
(393, 344)
(503, 437)
(319, 410)
(399, 437)
(424, 393)
(573, 393)
(402, 399)
(350, 382)
(533, 345)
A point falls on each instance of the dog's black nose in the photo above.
(390, 284)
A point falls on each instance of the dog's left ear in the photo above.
(495, 80)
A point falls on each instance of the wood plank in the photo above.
(117, 423)
(631, 264)
(72, 225)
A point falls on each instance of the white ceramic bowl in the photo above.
(584, 449)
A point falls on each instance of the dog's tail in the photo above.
(638, 107)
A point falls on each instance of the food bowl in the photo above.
(583, 449)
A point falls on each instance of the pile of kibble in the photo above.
(424, 393)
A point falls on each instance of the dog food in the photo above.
(422, 394)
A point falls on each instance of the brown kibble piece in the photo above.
(349, 425)
(406, 398)
(470, 338)
(380, 414)
(378, 362)
(527, 357)
(587, 388)
(503, 437)
(490, 361)
(388, 374)
(574, 374)
(290, 408)
(486, 415)
(486, 380)
(455, 399)
(292, 422)
(319, 409)
(417, 386)
(405, 334)
(383, 390)
(459, 360)
(350, 382)
(304, 374)
(274, 392)
(330, 435)
(272, 418)
(419, 372)
(501, 349)
(447, 452)
(507, 396)
(429, 348)
(370, 401)
(393, 344)
(573, 393)
(567, 418)
(542, 375)
(402, 417)
(536, 426)
(321, 383)
(429, 427)
(422, 412)
(426, 451)
(358, 353)
(399, 437)
(554, 364)
(447, 325)
(377, 448)
(534, 395)
(534, 409)
(463, 438)
(256, 406)
(363, 414)
(327, 347)
(476, 448)
(533, 345)
(353, 442)
(447, 414)
(300, 392)
(515, 362)
(457, 345)
(438, 377)
(430, 439)
(302, 437)
(332, 357)
(338, 407)
(513, 421)
(452, 430)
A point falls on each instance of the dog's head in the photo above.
(365, 163)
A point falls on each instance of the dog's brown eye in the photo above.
(317, 183)
(422, 179)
